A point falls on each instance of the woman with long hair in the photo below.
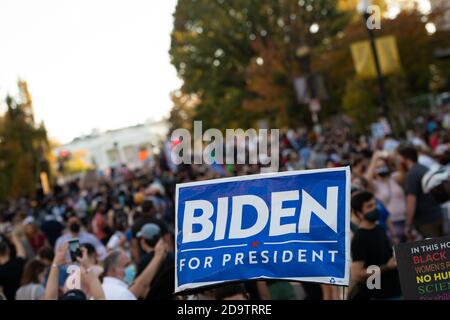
(33, 279)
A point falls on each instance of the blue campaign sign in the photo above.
(291, 225)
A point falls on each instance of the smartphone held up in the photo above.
(74, 249)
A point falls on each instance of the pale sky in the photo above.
(89, 63)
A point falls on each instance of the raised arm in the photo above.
(89, 278)
(20, 250)
(370, 175)
(135, 250)
(142, 283)
(94, 284)
(52, 287)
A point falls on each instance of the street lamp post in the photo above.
(363, 6)
(303, 55)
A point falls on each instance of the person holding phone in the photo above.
(74, 249)
(91, 287)
(75, 231)
(93, 258)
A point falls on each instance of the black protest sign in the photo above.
(424, 269)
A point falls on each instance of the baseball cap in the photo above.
(74, 295)
(149, 231)
(434, 178)
(156, 187)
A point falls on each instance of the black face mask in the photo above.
(75, 227)
(383, 172)
(372, 216)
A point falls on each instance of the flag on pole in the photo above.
(387, 54)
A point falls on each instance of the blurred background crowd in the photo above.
(128, 211)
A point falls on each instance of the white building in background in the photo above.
(112, 148)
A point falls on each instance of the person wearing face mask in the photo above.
(371, 247)
(75, 231)
(386, 186)
(422, 211)
(115, 266)
(362, 184)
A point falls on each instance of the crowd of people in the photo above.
(125, 219)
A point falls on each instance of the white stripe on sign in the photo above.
(213, 248)
(303, 241)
